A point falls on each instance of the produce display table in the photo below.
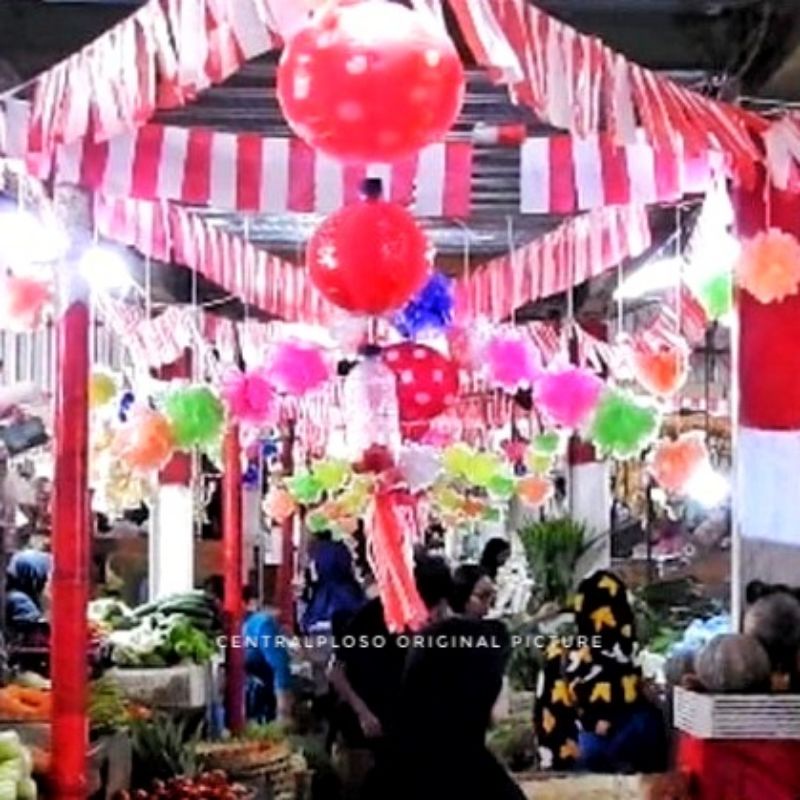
(184, 687)
(550, 786)
(741, 770)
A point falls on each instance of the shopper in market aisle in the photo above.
(27, 579)
(367, 678)
(334, 586)
(267, 664)
(474, 591)
(591, 708)
(495, 554)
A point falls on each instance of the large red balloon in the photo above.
(427, 382)
(370, 82)
(369, 258)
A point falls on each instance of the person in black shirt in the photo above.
(368, 670)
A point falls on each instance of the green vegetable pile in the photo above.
(16, 764)
(177, 629)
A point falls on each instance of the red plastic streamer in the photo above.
(390, 537)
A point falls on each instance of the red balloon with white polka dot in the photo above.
(427, 382)
(370, 81)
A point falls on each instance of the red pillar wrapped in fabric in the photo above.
(767, 447)
(71, 543)
(233, 557)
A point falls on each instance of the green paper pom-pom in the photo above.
(456, 460)
(502, 487)
(332, 474)
(196, 416)
(317, 523)
(716, 296)
(622, 426)
(481, 469)
(546, 444)
(305, 489)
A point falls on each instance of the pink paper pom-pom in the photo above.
(297, 368)
(512, 362)
(250, 397)
(769, 266)
(568, 397)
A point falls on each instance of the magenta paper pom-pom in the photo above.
(250, 397)
(512, 362)
(568, 397)
(297, 368)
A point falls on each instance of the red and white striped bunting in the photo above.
(576, 251)
(247, 172)
(562, 174)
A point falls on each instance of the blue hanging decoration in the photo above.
(125, 404)
(250, 476)
(269, 449)
(430, 311)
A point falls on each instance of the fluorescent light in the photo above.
(708, 487)
(24, 239)
(105, 269)
(653, 277)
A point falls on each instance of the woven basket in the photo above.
(240, 759)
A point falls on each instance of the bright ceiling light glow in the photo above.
(653, 277)
(25, 239)
(105, 269)
(708, 487)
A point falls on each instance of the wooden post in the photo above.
(71, 517)
(232, 548)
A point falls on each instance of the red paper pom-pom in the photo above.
(427, 382)
(22, 302)
(370, 82)
(661, 367)
(369, 258)
(769, 266)
(676, 462)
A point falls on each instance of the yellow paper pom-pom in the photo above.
(769, 266)
(102, 389)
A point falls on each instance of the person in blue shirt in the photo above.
(27, 579)
(267, 664)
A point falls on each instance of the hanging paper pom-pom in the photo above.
(542, 452)
(250, 397)
(296, 368)
(456, 460)
(515, 450)
(466, 344)
(569, 396)
(22, 302)
(716, 296)
(376, 459)
(511, 361)
(305, 489)
(622, 427)
(102, 389)
(420, 466)
(430, 311)
(443, 431)
(534, 490)
(501, 486)
(769, 266)
(279, 505)
(482, 467)
(145, 442)
(126, 403)
(332, 474)
(196, 415)
(675, 463)
(660, 367)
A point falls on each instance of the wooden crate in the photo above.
(733, 716)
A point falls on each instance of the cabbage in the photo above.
(12, 770)
(26, 789)
(8, 789)
(10, 745)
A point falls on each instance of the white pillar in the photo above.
(589, 502)
(173, 543)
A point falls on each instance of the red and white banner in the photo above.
(247, 172)
(573, 253)
(564, 174)
(574, 82)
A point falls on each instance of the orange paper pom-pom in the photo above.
(279, 505)
(769, 266)
(676, 462)
(146, 442)
(660, 367)
(535, 490)
(22, 302)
